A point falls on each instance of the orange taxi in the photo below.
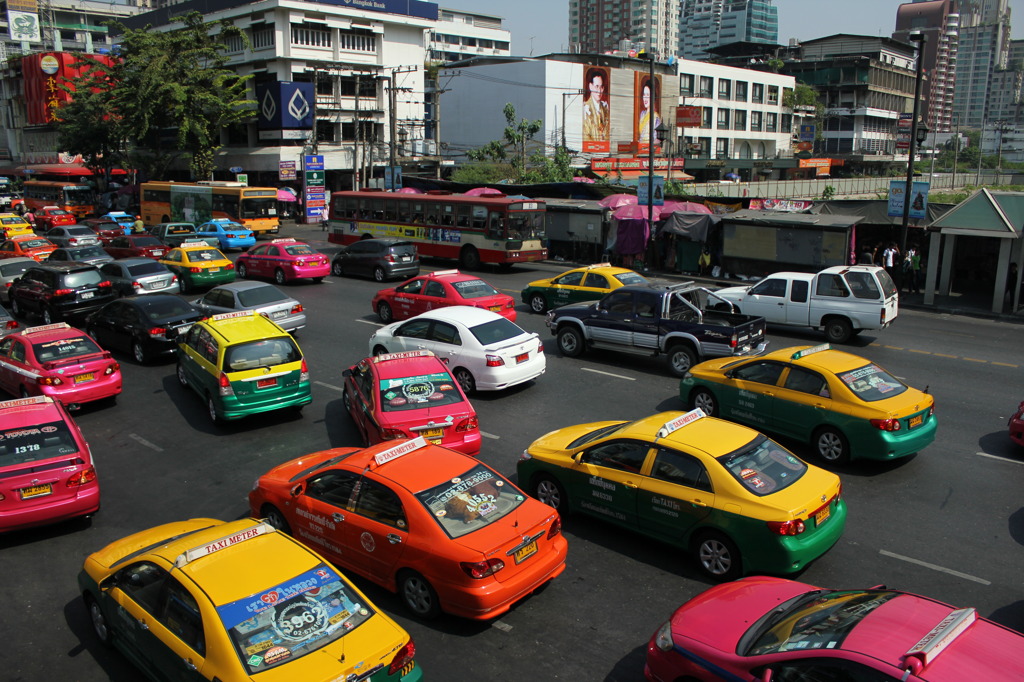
(443, 530)
(29, 246)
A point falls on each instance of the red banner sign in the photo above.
(688, 117)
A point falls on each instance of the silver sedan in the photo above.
(134, 276)
(72, 235)
(264, 298)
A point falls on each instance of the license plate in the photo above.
(214, 269)
(36, 491)
(525, 552)
(88, 294)
(406, 259)
(278, 315)
(916, 421)
(522, 358)
(494, 308)
(158, 253)
(266, 383)
(432, 433)
(82, 378)
(158, 285)
(822, 515)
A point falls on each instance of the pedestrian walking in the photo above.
(323, 219)
(31, 218)
(890, 261)
(912, 268)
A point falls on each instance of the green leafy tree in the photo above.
(513, 145)
(165, 83)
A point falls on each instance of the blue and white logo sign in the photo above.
(285, 105)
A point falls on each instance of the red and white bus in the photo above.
(73, 197)
(473, 230)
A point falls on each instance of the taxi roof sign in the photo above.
(194, 242)
(384, 357)
(46, 328)
(438, 273)
(261, 528)
(680, 421)
(23, 402)
(283, 240)
(942, 635)
(404, 448)
(598, 265)
(230, 316)
(810, 351)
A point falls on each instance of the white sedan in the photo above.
(483, 350)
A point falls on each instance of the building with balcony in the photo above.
(940, 26)
(705, 24)
(983, 49)
(601, 26)
(461, 35)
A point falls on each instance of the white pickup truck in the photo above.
(842, 300)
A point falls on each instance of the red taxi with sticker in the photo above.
(762, 628)
(46, 468)
(29, 246)
(409, 394)
(443, 530)
(283, 260)
(438, 290)
(59, 361)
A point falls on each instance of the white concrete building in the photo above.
(461, 35)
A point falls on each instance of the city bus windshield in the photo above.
(526, 225)
(78, 196)
(263, 207)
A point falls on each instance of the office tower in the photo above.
(983, 49)
(598, 26)
(937, 21)
(704, 24)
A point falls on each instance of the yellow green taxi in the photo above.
(736, 500)
(207, 600)
(844, 406)
(198, 265)
(13, 225)
(588, 283)
(242, 363)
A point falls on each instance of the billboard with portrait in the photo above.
(596, 109)
(647, 104)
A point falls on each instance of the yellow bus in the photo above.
(198, 202)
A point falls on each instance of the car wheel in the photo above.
(465, 379)
(379, 350)
(538, 304)
(99, 621)
(550, 492)
(336, 269)
(831, 445)
(469, 258)
(49, 317)
(139, 352)
(182, 379)
(570, 342)
(419, 596)
(718, 557)
(16, 308)
(705, 400)
(384, 312)
(681, 357)
(242, 270)
(211, 410)
(838, 330)
(378, 274)
(279, 277)
(275, 518)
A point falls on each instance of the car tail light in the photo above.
(111, 368)
(881, 317)
(494, 361)
(931, 410)
(158, 331)
(50, 381)
(137, 285)
(8, 284)
(297, 308)
(468, 424)
(540, 346)
(482, 569)
(229, 266)
(510, 304)
(886, 424)
(786, 527)
(392, 434)
(304, 372)
(391, 258)
(174, 279)
(225, 385)
(230, 236)
(11, 324)
(300, 263)
(72, 241)
(403, 658)
(82, 477)
(733, 341)
(62, 292)
(104, 284)
(556, 527)
(195, 269)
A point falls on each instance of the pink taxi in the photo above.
(46, 469)
(283, 260)
(59, 361)
(763, 628)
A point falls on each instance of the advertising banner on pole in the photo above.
(918, 199)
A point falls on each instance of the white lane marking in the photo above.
(375, 324)
(504, 627)
(145, 442)
(331, 386)
(607, 374)
(1001, 459)
(489, 435)
(950, 571)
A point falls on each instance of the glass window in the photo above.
(705, 117)
(871, 383)
(741, 91)
(570, 279)
(739, 120)
(623, 455)
(706, 85)
(757, 93)
(496, 331)
(799, 292)
(181, 616)
(333, 487)
(278, 350)
(471, 501)
(628, 278)
(619, 303)
(863, 285)
(64, 349)
(434, 288)
(770, 287)
(676, 467)
(723, 118)
(806, 381)
(412, 287)
(380, 503)
(257, 296)
(596, 281)
(773, 94)
(763, 466)
(143, 582)
(43, 441)
(831, 285)
(722, 147)
(414, 329)
(445, 333)
(474, 288)
(764, 372)
(686, 83)
(724, 88)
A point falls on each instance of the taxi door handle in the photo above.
(394, 539)
(698, 503)
(768, 394)
(189, 664)
(338, 517)
(629, 484)
(142, 625)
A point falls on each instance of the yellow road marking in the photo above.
(895, 347)
(1005, 364)
(943, 355)
(974, 360)
(922, 352)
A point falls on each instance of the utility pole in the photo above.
(392, 103)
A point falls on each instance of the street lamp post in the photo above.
(919, 38)
(666, 149)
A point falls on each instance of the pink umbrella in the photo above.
(410, 190)
(484, 192)
(636, 212)
(684, 207)
(615, 200)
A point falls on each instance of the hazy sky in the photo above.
(542, 25)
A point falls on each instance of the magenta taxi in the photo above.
(1016, 424)
(283, 260)
(59, 361)
(784, 630)
(46, 469)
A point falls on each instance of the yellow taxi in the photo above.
(14, 225)
(735, 499)
(208, 600)
(845, 406)
(197, 264)
(588, 283)
(242, 363)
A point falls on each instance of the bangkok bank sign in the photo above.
(44, 74)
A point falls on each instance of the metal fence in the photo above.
(866, 187)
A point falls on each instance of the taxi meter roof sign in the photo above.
(397, 451)
(680, 421)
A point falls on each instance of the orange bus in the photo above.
(255, 208)
(473, 230)
(74, 198)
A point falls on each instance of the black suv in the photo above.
(59, 290)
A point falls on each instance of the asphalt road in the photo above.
(947, 522)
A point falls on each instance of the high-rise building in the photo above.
(939, 24)
(602, 26)
(704, 24)
(983, 49)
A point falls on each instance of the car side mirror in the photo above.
(296, 490)
(578, 457)
(347, 373)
